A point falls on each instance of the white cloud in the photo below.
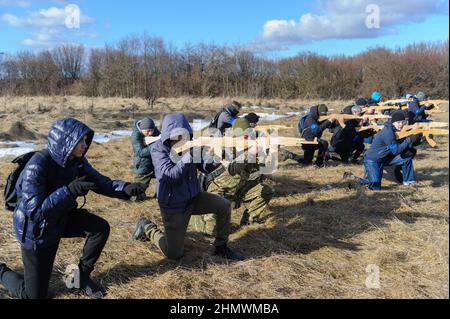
(346, 19)
(52, 26)
(45, 37)
(50, 17)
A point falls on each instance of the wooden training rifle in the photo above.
(341, 118)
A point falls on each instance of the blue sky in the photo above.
(277, 28)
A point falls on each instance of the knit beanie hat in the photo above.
(398, 116)
(147, 124)
(322, 109)
(252, 118)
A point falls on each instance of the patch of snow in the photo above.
(102, 138)
(19, 148)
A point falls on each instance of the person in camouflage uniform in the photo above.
(240, 183)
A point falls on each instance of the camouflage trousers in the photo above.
(171, 240)
(144, 179)
(257, 198)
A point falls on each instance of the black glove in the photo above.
(80, 187)
(135, 189)
(430, 107)
(416, 138)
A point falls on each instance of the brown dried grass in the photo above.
(319, 235)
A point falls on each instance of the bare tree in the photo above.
(145, 66)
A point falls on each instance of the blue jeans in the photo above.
(374, 171)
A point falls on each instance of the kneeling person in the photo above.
(179, 195)
(47, 210)
(386, 150)
(240, 182)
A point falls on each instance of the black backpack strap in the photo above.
(209, 178)
(45, 154)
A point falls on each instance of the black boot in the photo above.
(348, 176)
(139, 198)
(286, 155)
(398, 172)
(225, 252)
(89, 287)
(139, 230)
(245, 220)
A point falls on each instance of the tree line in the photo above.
(146, 66)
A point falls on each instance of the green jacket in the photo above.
(142, 159)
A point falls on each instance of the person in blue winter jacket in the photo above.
(416, 111)
(179, 194)
(387, 151)
(47, 211)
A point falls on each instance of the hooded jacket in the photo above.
(176, 181)
(385, 145)
(312, 127)
(44, 197)
(142, 159)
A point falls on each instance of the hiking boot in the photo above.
(320, 165)
(89, 287)
(245, 220)
(225, 252)
(348, 176)
(256, 220)
(139, 198)
(286, 155)
(139, 230)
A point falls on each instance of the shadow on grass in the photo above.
(312, 225)
(437, 176)
(291, 228)
(299, 228)
(286, 185)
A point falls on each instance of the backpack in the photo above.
(301, 124)
(9, 194)
(215, 121)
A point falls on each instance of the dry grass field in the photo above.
(318, 238)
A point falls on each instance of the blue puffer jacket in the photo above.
(45, 201)
(176, 182)
(385, 145)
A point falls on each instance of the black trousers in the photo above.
(309, 151)
(353, 150)
(38, 264)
